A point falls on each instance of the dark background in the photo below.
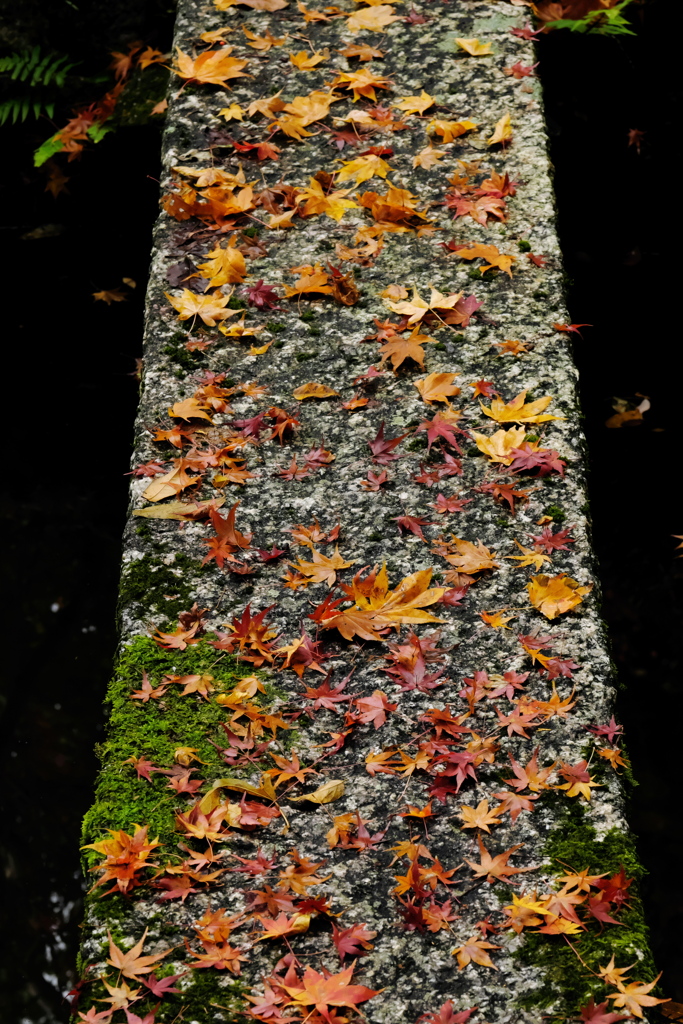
(69, 401)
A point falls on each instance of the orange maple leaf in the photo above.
(131, 964)
(321, 993)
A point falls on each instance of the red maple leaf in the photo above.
(447, 1015)
(261, 295)
(413, 524)
(322, 991)
(353, 941)
(592, 1014)
(571, 328)
(439, 427)
(383, 448)
(545, 460)
(549, 541)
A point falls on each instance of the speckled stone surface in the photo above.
(415, 971)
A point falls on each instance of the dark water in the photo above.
(68, 408)
(620, 249)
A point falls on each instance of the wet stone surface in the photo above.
(318, 339)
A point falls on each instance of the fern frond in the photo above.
(36, 68)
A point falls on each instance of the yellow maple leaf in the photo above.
(480, 816)
(633, 997)
(239, 329)
(281, 221)
(497, 619)
(397, 348)
(311, 15)
(208, 308)
(362, 82)
(262, 43)
(377, 608)
(450, 130)
(214, 67)
(322, 568)
(502, 131)
(363, 168)
(490, 254)
(269, 106)
(518, 410)
(396, 292)
(189, 409)
(474, 951)
(313, 390)
(256, 5)
(361, 50)
(428, 157)
(467, 557)
(529, 557)
(474, 47)
(373, 19)
(171, 483)
(417, 308)
(305, 61)
(232, 113)
(224, 266)
(311, 279)
(500, 444)
(555, 595)
(313, 107)
(415, 104)
(333, 204)
(437, 387)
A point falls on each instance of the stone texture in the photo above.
(415, 971)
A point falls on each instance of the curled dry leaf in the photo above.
(332, 790)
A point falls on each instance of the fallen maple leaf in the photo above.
(322, 992)
(571, 328)
(352, 941)
(313, 390)
(474, 951)
(132, 964)
(305, 61)
(363, 168)
(502, 132)
(372, 19)
(555, 595)
(592, 1014)
(398, 349)
(322, 568)
(474, 47)
(316, 200)
(428, 157)
(518, 410)
(208, 308)
(415, 104)
(383, 448)
(490, 254)
(496, 868)
(635, 995)
(437, 387)
(213, 67)
(376, 608)
(480, 816)
(467, 557)
(500, 446)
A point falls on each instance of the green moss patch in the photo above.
(573, 843)
(155, 730)
(152, 588)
